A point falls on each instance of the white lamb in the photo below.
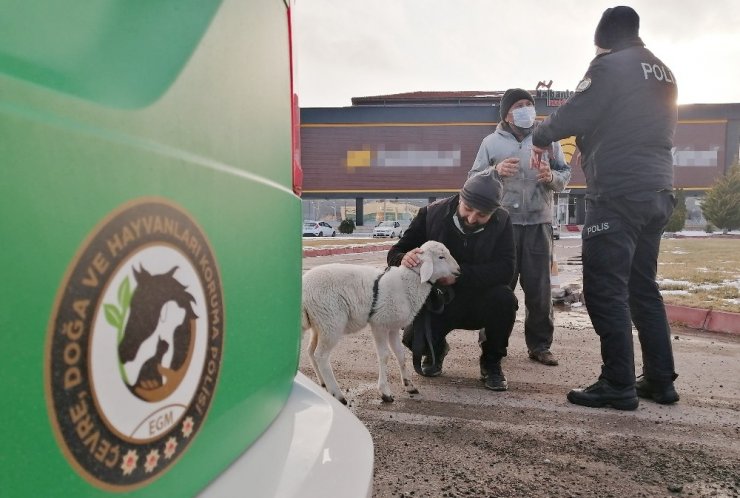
(340, 299)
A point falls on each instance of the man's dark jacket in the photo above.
(623, 116)
(486, 258)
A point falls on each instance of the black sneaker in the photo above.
(603, 394)
(495, 379)
(665, 394)
(428, 369)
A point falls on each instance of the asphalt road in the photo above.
(456, 438)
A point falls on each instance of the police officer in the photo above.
(623, 114)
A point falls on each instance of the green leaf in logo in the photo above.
(113, 316)
(124, 295)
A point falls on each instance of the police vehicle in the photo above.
(150, 344)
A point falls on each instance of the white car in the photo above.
(389, 228)
(318, 229)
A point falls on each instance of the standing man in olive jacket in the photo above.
(528, 197)
(478, 233)
(623, 114)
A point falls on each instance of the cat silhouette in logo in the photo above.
(149, 375)
(159, 373)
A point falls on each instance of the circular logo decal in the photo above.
(584, 84)
(135, 345)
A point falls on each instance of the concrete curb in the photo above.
(707, 236)
(332, 251)
(694, 318)
(701, 319)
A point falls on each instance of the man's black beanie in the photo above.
(618, 26)
(511, 96)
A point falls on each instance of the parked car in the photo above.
(140, 277)
(318, 229)
(556, 231)
(389, 228)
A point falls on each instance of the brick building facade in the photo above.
(421, 145)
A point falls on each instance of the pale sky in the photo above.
(356, 48)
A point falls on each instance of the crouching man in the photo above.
(478, 233)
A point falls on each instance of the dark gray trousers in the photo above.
(533, 245)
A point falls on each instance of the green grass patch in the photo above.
(712, 262)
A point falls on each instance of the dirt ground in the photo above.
(457, 439)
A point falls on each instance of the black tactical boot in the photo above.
(665, 394)
(603, 394)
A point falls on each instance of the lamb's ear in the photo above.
(427, 267)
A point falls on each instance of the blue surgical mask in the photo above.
(524, 116)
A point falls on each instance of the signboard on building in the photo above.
(553, 98)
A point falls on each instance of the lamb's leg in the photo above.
(394, 339)
(327, 339)
(313, 340)
(381, 348)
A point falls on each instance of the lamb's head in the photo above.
(436, 262)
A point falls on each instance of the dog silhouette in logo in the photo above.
(158, 339)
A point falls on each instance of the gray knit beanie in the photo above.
(482, 192)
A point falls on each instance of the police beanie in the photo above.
(482, 192)
(511, 96)
(618, 25)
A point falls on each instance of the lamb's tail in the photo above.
(305, 321)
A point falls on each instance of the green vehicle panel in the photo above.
(113, 114)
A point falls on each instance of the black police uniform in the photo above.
(624, 115)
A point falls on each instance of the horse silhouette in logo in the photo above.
(159, 336)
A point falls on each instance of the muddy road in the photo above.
(457, 439)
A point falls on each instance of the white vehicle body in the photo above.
(390, 228)
(314, 445)
(318, 229)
